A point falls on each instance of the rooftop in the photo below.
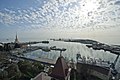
(60, 69)
(42, 76)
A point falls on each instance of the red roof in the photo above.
(60, 69)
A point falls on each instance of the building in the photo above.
(61, 71)
(42, 76)
(17, 43)
(16, 39)
(1, 47)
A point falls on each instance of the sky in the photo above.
(57, 18)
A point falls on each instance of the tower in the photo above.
(60, 70)
(16, 39)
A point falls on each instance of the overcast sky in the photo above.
(33, 17)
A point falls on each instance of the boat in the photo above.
(57, 49)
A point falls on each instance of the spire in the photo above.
(60, 69)
(16, 39)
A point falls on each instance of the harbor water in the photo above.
(71, 50)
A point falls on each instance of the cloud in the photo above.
(64, 14)
(6, 18)
(117, 3)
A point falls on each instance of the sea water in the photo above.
(71, 50)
